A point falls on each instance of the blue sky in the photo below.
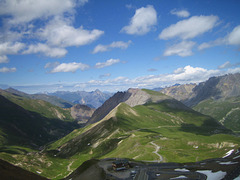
(112, 45)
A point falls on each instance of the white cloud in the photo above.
(228, 65)
(7, 70)
(182, 49)
(67, 67)
(182, 75)
(189, 28)
(232, 38)
(59, 32)
(225, 65)
(187, 74)
(53, 34)
(109, 62)
(3, 59)
(46, 50)
(142, 22)
(11, 48)
(181, 13)
(22, 11)
(115, 44)
(7, 48)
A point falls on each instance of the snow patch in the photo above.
(213, 175)
(182, 170)
(228, 153)
(228, 163)
(179, 177)
(236, 157)
(237, 178)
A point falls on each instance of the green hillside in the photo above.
(225, 110)
(183, 135)
(31, 123)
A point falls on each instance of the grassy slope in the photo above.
(183, 135)
(41, 107)
(226, 111)
(28, 122)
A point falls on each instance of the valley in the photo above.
(140, 125)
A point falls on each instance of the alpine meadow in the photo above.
(119, 90)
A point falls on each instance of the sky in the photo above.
(113, 45)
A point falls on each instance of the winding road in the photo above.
(156, 152)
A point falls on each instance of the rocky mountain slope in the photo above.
(82, 113)
(216, 88)
(217, 97)
(92, 99)
(132, 97)
(180, 92)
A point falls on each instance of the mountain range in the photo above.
(129, 124)
(92, 99)
(217, 97)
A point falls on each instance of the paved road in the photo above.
(156, 152)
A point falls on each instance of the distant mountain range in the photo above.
(66, 99)
(51, 99)
(92, 99)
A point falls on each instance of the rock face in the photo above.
(179, 92)
(216, 87)
(132, 97)
(81, 113)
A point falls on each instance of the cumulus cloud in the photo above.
(180, 13)
(189, 28)
(7, 70)
(59, 32)
(182, 75)
(142, 22)
(21, 11)
(182, 49)
(233, 38)
(115, 44)
(52, 35)
(66, 67)
(8, 48)
(109, 62)
(46, 50)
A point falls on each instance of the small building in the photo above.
(119, 165)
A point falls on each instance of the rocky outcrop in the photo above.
(132, 97)
(216, 87)
(179, 92)
(81, 113)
